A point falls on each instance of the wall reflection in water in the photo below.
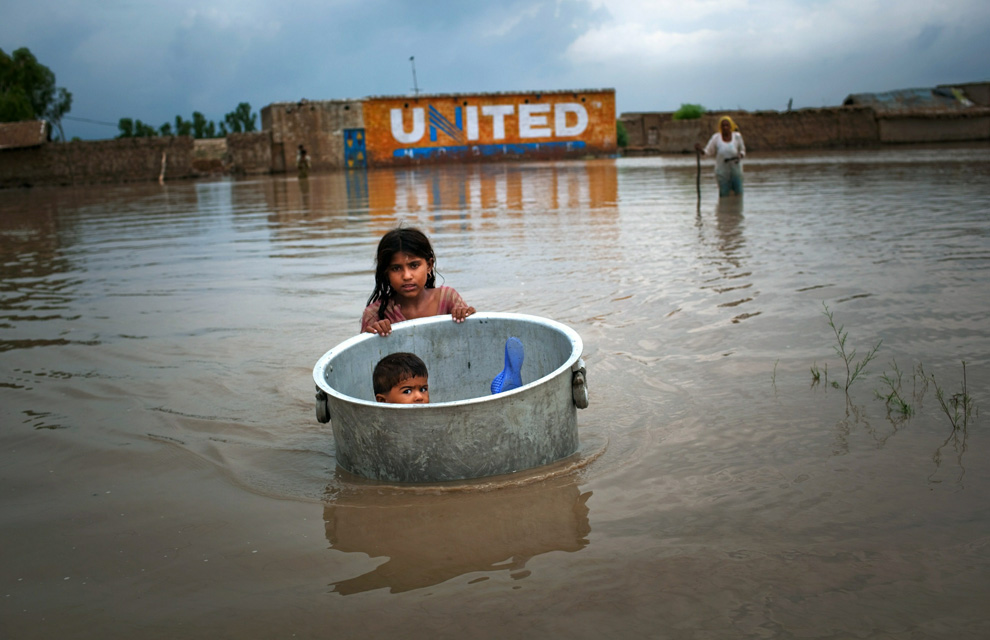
(431, 538)
(487, 188)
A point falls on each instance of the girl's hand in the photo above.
(381, 327)
(460, 313)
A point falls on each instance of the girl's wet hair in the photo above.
(400, 240)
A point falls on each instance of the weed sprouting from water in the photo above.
(853, 368)
(902, 401)
(892, 396)
(820, 375)
(958, 407)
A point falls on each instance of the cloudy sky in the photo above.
(155, 60)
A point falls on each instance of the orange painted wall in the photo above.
(491, 126)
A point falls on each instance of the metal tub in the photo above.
(465, 431)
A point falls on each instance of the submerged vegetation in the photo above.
(962, 406)
(900, 403)
(895, 402)
(853, 368)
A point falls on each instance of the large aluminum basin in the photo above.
(465, 431)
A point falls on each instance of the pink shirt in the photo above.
(393, 312)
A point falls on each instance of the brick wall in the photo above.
(97, 161)
(318, 126)
(897, 127)
(837, 127)
(762, 130)
(249, 153)
(489, 126)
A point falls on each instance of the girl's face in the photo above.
(407, 274)
(726, 128)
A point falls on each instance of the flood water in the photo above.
(163, 473)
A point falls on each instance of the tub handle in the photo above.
(579, 384)
(322, 406)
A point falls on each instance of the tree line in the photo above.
(240, 120)
(28, 92)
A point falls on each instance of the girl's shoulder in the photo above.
(449, 298)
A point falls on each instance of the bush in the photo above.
(689, 112)
(621, 136)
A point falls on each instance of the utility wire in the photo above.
(109, 124)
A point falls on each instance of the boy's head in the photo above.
(401, 378)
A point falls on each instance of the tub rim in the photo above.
(577, 349)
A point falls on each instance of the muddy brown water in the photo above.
(163, 474)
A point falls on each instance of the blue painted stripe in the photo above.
(487, 150)
(440, 121)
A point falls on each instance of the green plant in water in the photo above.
(959, 406)
(892, 397)
(689, 112)
(853, 368)
(816, 374)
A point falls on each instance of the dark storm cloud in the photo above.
(154, 61)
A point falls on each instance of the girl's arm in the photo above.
(740, 145)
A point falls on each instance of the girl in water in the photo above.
(405, 284)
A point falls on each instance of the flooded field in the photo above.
(164, 476)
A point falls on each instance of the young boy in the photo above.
(401, 378)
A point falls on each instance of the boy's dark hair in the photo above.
(396, 367)
(400, 240)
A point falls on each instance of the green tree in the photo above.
(688, 111)
(135, 129)
(241, 119)
(28, 91)
(199, 125)
(183, 127)
(142, 130)
(58, 108)
(621, 135)
(126, 128)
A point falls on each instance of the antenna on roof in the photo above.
(412, 61)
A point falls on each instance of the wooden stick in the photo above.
(697, 157)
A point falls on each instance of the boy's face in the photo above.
(413, 390)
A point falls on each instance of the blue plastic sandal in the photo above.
(510, 377)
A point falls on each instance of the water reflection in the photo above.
(955, 444)
(482, 187)
(431, 538)
(724, 250)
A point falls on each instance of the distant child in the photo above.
(302, 162)
(401, 378)
(405, 284)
